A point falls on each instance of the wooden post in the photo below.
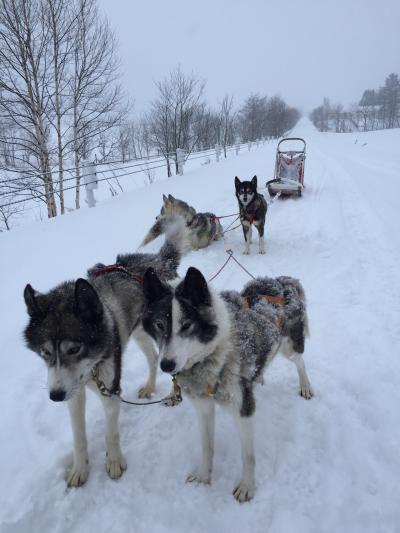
(180, 157)
(217, 152)
(90, 181)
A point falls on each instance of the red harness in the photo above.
(250, 218)
(118, 268)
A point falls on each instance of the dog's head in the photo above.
(246, 190)
(66, 328)
(167, 209)
(182, 321)
(173, 206)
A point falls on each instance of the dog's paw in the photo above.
(146, 391)
(198, 477)
(244, 492)
(115, 467)
(246, 252)
(171, 401)
(78, 475)
(306, 392)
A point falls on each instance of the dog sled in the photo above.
(289, 168)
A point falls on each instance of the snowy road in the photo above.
(328, 465)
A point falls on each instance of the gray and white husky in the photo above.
(204, 228)
(81, 327)
(217, 346)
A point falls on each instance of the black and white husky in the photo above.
(81, 327)
(253, 210)
(203, 228)
(217, 346)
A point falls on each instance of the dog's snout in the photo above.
(57, 395)
(167, 365)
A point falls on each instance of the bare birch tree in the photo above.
(24, 72)
(227, 118)
(178, 104)
(97, 98)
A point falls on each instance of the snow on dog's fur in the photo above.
(217, 346)
(203, 228)
(83, 325)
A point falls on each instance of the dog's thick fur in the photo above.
(83, 325)
(218, 348)
(204, 228)
(252, 209)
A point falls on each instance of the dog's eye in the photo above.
(45, 352)
(74, 349)
(160, 325)
(186, 325)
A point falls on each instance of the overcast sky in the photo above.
(300, 49)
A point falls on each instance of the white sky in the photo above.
(302, 50)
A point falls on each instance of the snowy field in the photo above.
(328, 465)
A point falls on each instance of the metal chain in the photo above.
(170, 401)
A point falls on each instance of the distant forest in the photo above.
(62, 103)
(377, 109)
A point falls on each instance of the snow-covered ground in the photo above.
(328, 465)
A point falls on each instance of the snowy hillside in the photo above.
(328, 465)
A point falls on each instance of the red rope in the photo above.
(231, 256)
(227, 216)
(242, 267)
(230, 253)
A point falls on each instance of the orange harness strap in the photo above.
(277, 300)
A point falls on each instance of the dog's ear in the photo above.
(254, 183)
(165, 199)
(237, 183)
(195, 288)
(87, 302)
(171, 198)
(153, 287)
(32, 302)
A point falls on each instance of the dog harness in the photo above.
(118, 268)
(277, 300)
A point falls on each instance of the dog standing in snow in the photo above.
(252, 209)
(81, 329)
(217, 346)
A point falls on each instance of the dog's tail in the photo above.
(170, 225)
(293, 283)
(177, 242)
(157, 229)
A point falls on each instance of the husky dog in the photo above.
(253, 208)
(174, 206)
(81, 329)
(217, 346)
(203, 227)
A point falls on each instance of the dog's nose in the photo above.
(57, 395)
(167, 365)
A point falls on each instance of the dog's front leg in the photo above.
(247, 236)
(245, 490)
(261, 242)
(115, 462)
(80, 468)
(206, 413)
(147, 347)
